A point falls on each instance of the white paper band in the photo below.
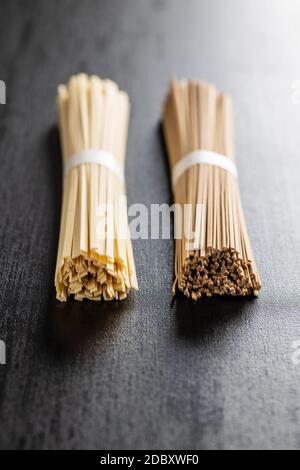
(98, 157)
(204, 157)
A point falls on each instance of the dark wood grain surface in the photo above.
(147, 373)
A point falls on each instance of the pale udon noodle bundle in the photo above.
(94, 261)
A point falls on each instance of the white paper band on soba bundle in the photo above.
(202, 157)
(98, 157)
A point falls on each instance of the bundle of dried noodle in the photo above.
(198, 123)
(93, 261)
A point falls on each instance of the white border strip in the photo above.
(98, 157)
(203, 157)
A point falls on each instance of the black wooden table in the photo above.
(147, 373)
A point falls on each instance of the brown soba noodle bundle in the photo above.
(217, 258)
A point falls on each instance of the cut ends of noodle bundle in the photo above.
(214, 256)
(95, 259)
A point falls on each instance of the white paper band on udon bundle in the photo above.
(98, 157)
(202, 157)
